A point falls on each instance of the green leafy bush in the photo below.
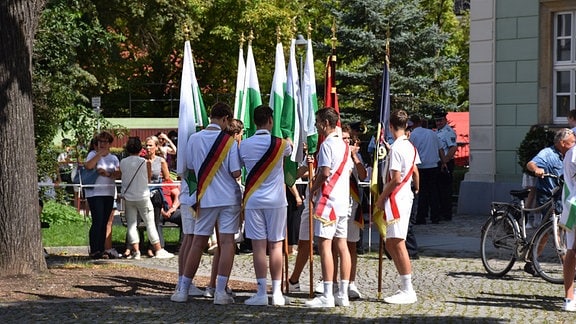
(537, 138)
(58, 214)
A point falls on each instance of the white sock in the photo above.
(179, 280)
(221, 282)
(261, 286)
(343, 291)
(328, 289)
(276, 287)
(185, 283)
(406, 282)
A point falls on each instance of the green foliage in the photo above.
(58, 214)
(68, 37)
(537, 138)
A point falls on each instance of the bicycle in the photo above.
(504, 237)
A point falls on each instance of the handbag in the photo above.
(85, 176)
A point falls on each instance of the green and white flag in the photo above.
(251, 96)
(192, 114)
(309, 101)
(278, 88)
(239, 95)
(290, 116)
(568, 217)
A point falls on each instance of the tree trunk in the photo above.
(20, 236)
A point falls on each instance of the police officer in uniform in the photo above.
(447, 138)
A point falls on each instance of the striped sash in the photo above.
(264, 166)
(212, 163)
(325, 212)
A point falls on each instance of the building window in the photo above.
(564, 76)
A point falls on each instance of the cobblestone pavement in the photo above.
(450, 281)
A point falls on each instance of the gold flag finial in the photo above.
(250, 37)
(242, 40)
(310, 30)
(278, 35)
(186, 32)
(334, 39)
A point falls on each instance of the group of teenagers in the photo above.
(212, 200)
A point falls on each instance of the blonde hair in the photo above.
(156, 142)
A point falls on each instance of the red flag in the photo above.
(330, 94)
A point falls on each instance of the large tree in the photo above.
(19, 220)
(421, 67)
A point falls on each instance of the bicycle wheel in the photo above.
(498, 245)
(548, 253)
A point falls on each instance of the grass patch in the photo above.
(69, 228)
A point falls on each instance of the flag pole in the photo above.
(311, 224)
(382, 129)
(285, 273)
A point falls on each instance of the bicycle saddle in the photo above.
(520, 194)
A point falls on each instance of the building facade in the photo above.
(522, 73)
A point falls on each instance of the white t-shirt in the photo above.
(109, 163)
(138, 189)
(271, 193)
(401, 158)
(223, 190)
(331, 153)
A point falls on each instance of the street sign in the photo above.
(95, 102)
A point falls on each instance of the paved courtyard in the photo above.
(450, 281)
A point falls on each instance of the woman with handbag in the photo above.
(101, 195)
(136, 173)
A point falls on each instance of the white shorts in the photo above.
(335, 230)
(398, 229)
(266, 224)
(228, 218)
(188, 220)
(353, 228)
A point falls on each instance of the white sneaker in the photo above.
(342, 301)
(280, 300)
(353, 292)
(134, 256)
(209, 292)
(180, 295)
(195, 291)
(163, 254)
(257, 300)
(230, 292)
(321, 302)
(222, 299)
(569, 305)
(402, 297)
(294, 287)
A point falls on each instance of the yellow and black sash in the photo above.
(212, 163)
(264, 166)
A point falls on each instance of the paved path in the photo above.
(451, 283)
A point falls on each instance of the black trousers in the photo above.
(428, 196)
(445, 190)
